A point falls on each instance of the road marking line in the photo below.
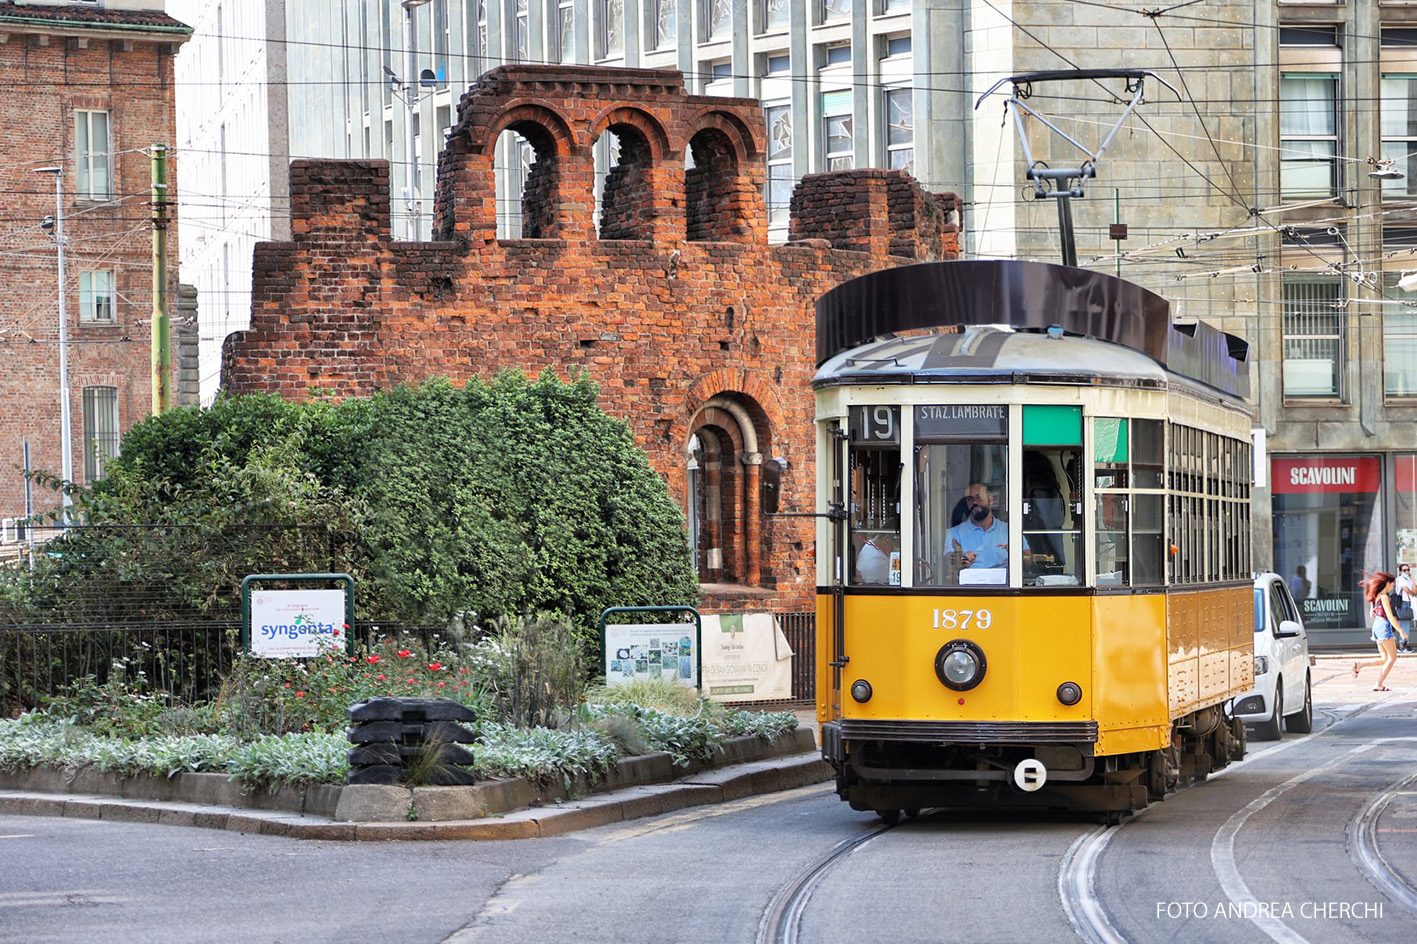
(1222, 852)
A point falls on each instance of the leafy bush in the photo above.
(544, 755)
(501, 498)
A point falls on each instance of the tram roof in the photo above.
(1027, 297)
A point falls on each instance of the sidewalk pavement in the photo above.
(1334, 684)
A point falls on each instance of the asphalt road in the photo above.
(1310, 839)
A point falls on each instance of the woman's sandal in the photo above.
(1355, 670)
(1383, 688)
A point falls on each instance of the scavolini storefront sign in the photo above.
(1348, 474)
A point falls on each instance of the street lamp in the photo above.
(66, 437)
(411, 100)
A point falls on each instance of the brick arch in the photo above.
(649, 127)
(515, 116)
(710, 211)
(754, 392)
(627, 203)
(748, 142)
(723, 510)
(550, 140)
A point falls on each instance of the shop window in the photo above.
(1313, 338)
(1327, 518)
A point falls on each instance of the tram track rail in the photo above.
(782, 918)
(1364, 849)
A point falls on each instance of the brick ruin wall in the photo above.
(679, 309)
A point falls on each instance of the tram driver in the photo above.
(981, 539)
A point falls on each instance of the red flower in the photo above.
(442, 684)
(434, 666)
(299, 694)
(462, 671)
(287, 684)
(403, 653)
(372, 660)
(379, 679)
(410, 681)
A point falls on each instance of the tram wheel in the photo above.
(889, 817)
(912, 813)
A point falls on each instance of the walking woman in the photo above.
(1377, 590)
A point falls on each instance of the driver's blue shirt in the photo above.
(987, 544)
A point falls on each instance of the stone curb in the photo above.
(713, 786)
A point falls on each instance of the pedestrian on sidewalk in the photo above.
(1377, 591)
(1407, 590)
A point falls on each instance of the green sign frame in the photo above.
(248, 584)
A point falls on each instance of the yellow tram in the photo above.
(1033, 556)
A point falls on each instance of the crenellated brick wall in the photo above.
(691, 323)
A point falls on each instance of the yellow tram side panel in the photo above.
(1210, 647)
(1129, 645)
(1031, 646)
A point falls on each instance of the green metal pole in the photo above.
(162, 318)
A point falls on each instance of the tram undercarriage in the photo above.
(890, 776)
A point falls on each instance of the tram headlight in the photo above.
(960, 665)
(861, 690)
(1070, 693)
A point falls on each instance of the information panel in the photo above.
(746, 658)
(651, 651)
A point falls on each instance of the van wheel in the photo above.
(1302, 722)
(1269, 730)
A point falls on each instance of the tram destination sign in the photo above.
(962, 419)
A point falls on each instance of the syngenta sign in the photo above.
(286, 623)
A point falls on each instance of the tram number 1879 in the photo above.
(963, 619)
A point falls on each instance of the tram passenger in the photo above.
(873, 561)
(981, 540)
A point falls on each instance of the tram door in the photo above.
(840, 541)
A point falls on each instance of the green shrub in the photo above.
(533, 670)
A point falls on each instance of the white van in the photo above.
(1282, 679)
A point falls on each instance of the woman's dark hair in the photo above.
(1373, 586)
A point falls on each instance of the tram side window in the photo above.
(1148, 503)
(961, 503)
(874, 512)
(1052, 495)
(1111, 449)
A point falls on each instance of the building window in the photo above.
(900, 129)
(521, 42)
(1399, 130)
(1399, 343)
(895, 6)
(1313, 338)
(835, 10)
(92, 155)
(774, 15)
(779, 162)
(1308, 136)
(100, 430)
(612, 28)
(718, 19)
(565, 32)
(837, 131)
(480, 25)
(96, 297)
(664, 14)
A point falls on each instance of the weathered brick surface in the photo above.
(49, 71)
(690, 322)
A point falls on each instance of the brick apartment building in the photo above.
(699, 333)
(88, 89)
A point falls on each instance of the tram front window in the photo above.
(1052, 517)
(961, 515)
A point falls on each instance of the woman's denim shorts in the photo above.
(1382, 629)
